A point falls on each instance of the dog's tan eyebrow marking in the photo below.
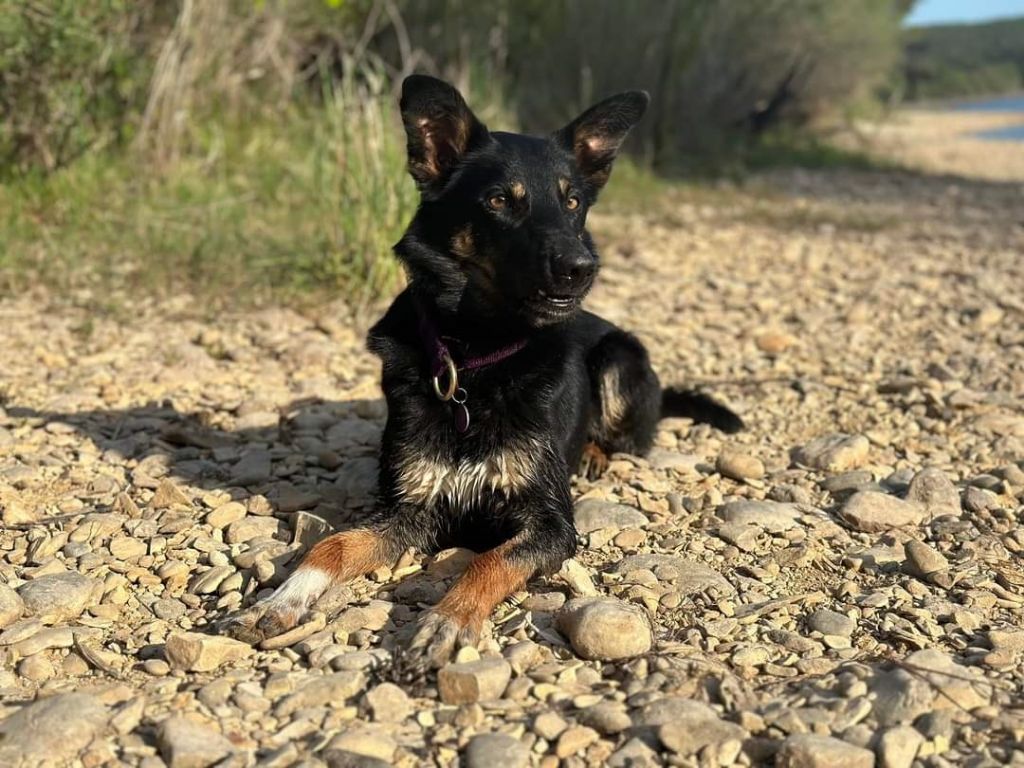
(563, 186)
(518, 190)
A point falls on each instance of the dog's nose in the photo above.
(572, 269)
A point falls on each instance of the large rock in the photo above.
(593, 514)
(196, 652)
(58, 597)
(873, 512)
(604, 628)
(184, 743)
(807, 750)
(51, 731)
(834, 453)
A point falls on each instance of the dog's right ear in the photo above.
(440, 128)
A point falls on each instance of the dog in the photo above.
(498, 384)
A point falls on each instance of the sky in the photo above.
(960, 11)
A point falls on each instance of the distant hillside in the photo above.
(963, 60)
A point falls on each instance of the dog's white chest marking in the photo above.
(463, 483)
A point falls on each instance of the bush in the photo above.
(71, 78)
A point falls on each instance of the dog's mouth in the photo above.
(549, 306)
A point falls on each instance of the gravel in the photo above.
(838, 585)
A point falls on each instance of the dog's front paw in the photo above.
(265, 619)
(437, 637)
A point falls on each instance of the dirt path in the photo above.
(842, 581)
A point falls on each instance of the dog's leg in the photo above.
(336, 559)
(626, 394)
(490, 578)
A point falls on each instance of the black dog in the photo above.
(497, 383)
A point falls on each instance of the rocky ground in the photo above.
(841, 585)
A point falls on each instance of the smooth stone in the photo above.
(473, 681)
(807, 750)
(183, 743)
(197, 652)
(834, 453)
(692, 577)
(934, 491)
(52, 730)
(58, 597)
(593, 514)
(874, 512)
(604, 628)
(491, 750)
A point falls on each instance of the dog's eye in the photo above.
(572, 202)
(497, 202)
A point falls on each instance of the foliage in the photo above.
(69, 73)
(309, 203)
(722, 73)
(963, 60)
(240, 148)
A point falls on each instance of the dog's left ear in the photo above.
(439, 127)
(595, 136)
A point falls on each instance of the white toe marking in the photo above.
(301, 588)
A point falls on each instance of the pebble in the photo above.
(491, 750)
(167, 494)
(923, 560)
(184, 743)
(388, 703)
(12, 607)
(932, 490)
(689, 577)
(574, 740)
(197, 652)
(694, 727)
(873, 512)
(318, 691)
(604, 628)
(51, 730)
(737, 465)
(935, 682)
(831, 622)
(58, 597)
(473, 681)
(834, 453)
(814, 751)
(249, 528)
(592, 514)
(898, 746)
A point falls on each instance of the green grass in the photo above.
(296, 208)
(289, 207)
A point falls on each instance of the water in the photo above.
(1001, 104)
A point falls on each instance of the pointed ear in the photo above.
(595, 136)
(439, 128)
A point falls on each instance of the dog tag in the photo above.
(460, 411)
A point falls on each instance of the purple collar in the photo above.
(445, 370)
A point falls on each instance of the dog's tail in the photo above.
(701, 408)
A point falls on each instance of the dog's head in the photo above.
(502, 217)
